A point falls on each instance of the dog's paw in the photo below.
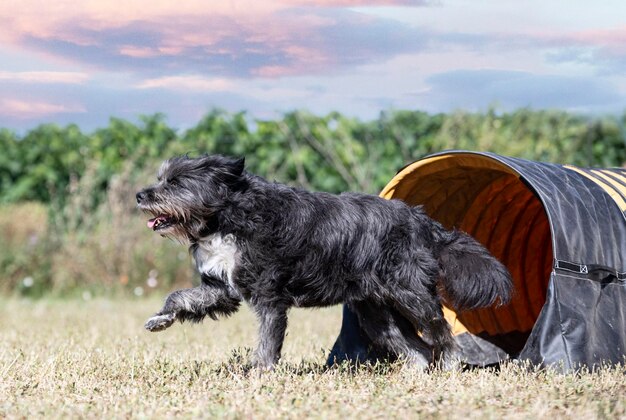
(160, 322)
(261, 365)
(449, 361)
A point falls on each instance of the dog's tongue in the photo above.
(152, 222)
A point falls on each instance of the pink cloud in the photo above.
(302, 60)
(274, 71)
(193, 82)
(267, 39)
(356, 3)
(138, 52)
(80, 23)
(19, 109)
(613, 40)
(44, 77)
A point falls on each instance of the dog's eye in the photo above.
(172, 182)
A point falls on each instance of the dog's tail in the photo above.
(471, 277)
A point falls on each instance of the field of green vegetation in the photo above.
(72, 358)
(67, 212)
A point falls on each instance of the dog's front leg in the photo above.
(194, 304)
(272, 326)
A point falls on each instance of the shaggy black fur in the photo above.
(276, 247)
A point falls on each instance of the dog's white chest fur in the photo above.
(217, 255)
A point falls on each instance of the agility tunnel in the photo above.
(561, 232)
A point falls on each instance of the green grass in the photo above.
(93, 359)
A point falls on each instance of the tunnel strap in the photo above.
(588, 269)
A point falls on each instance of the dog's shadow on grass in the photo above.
(240, 364)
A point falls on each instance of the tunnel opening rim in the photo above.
(438, 163)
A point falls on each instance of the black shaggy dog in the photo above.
(276, 247)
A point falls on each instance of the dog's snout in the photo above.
(140, 196)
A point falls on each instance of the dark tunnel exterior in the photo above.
(583, 320)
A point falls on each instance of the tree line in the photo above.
(68, 220)
(331, 153)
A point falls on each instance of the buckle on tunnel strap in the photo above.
(573, 267)
(587, 268)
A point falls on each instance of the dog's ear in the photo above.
(227, 170)
(238, 165)
(230, 166)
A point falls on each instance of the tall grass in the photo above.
(87, 250)
(24, 246)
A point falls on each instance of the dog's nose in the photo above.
(140, 196)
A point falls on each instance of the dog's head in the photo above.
(189, 194)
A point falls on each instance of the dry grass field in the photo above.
(61, 359)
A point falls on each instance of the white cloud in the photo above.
(20, 109)
(191, 82)
(44, 77)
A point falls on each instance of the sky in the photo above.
(85, 61)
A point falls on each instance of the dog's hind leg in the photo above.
(194, 304)
(272, 327)
(391, 332)
(426, 316)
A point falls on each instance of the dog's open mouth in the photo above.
(161, 222)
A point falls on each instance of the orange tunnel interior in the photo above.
(489, 200)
